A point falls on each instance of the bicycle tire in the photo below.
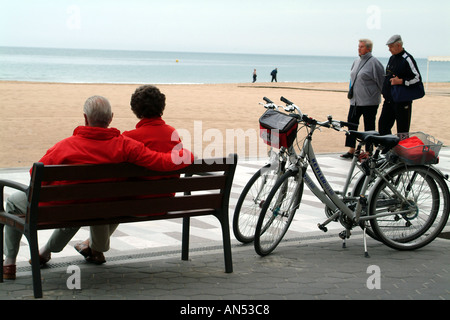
(277, 212)
(250, 202)
(418, 220)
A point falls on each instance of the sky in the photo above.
(293, 27)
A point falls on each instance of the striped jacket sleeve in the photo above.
(414, 70)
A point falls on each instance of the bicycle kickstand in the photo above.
(366, 253)
(344, 235)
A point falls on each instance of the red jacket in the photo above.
(155, 134)
(93, 145)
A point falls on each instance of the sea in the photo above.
(156, 67)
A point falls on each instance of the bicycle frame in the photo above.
(326, 194)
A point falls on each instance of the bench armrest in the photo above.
(10, 184)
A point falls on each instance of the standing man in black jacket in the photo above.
(401, 70)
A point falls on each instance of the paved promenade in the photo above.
(145, 261)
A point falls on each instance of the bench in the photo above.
(121, 195)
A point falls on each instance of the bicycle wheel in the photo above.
(412, 205)
(277, 212)
(250, 202)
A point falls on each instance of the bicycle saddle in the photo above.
(388, 141)
(362, 135)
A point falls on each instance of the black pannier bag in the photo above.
(277, 129)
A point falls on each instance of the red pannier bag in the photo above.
(413, 150)
(278, 129)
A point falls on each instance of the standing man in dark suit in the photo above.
(401, 70)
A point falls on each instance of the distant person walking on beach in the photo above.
(401, 70)
(274, 75)
(254, 75)
(366, 82)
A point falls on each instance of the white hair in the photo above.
(98, 111)
(368, 43)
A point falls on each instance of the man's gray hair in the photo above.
(368, 43)
(98, 111)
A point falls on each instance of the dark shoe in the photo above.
(42, 260)
(9, 272)
(347, 155)
(96, 257)
(83, 249)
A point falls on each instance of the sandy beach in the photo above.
(34, 116)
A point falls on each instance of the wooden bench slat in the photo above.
(127, 219)
(111, 209)
(128, 188)
(123, 170)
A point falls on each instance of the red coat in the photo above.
(94, 145)
(155, 134)
(106, 145)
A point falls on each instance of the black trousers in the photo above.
(369, 114)
(392, 112)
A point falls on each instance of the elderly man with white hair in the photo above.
(401, 70)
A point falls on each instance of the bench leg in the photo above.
(226, 244)
(185, 239)
(35, 265)
(227, 252)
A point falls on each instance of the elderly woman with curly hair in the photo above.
(148, 104)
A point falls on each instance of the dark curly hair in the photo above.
(147, 102)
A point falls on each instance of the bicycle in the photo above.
(258, 187)
(255, 192)
(407, 207)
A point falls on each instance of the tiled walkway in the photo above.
(144, 262)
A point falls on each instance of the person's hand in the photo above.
(395, 81)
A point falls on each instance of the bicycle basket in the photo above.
(277, 129)
(417, 148)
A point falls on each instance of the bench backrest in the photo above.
(84, 193)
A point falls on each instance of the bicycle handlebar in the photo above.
(267, 100)
(286, 101)
(335, 124)
(330, 123)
